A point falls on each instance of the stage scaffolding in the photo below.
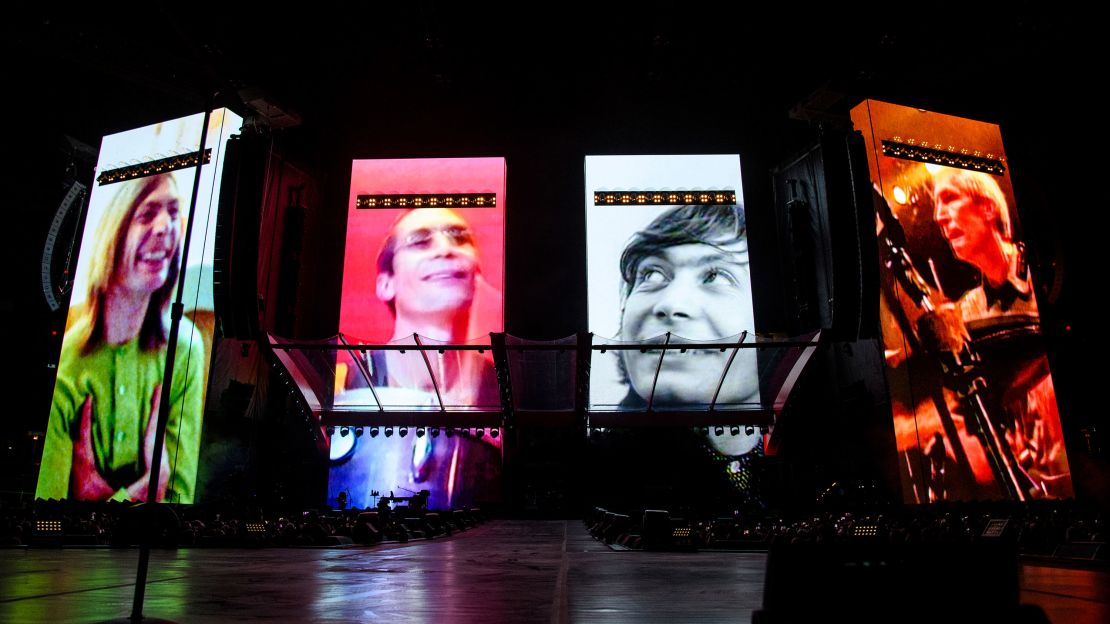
(539, 382)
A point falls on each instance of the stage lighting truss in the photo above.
(153, 167)
(335, 384)
(944, 155)
(664, 198)
(427, 200)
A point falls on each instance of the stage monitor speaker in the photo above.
(877, 582)
(1089, 551)
(235, 266)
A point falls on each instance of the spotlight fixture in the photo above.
(373, 432)
(53, 527)
(493, 433)
(703, 430)
(718, 430)
(479, 432)
(404, 431)
(435, 432)
(358, 432)
(389, 432)
(420, 432)
(344, 431)
(331, 431)
(734, 430)
(750, 430)
(864, 530)
(450, 432)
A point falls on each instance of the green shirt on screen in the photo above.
(121, 380)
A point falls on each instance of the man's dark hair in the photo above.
(386, 253)
(694, 224)
(389, 247)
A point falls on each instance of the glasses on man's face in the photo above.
(457, 235)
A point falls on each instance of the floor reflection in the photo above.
(500, 572)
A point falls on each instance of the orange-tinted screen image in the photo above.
(974, 407)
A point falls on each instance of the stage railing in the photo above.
(502, 380)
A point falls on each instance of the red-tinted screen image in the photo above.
(468, 289)
(974, 406)
(433, 275)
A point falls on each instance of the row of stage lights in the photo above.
(664, 198)
(972, 160)
(403, 431)
(428, 200)
(717, 430)
(153, 167)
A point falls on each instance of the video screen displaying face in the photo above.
(974, 406)
(429, 274)
(679, 268)
(100, 431)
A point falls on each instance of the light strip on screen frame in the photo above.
(963, 159)
(152, 167)
(664, 198)
(427, 200)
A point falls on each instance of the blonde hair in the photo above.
(105, 256)
(981, 187)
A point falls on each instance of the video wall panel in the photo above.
(974, 406)
(664, 259)
(100, 431)
(681, 268)
(424, 262)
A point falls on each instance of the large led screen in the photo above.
(100, 432)
(667, 252)
(679, 268)
(424, 263)
(974, 407)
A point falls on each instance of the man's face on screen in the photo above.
(151, 242)
(700, 292)
(965, 220)
(435, 264)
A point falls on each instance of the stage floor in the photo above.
(502, 571)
